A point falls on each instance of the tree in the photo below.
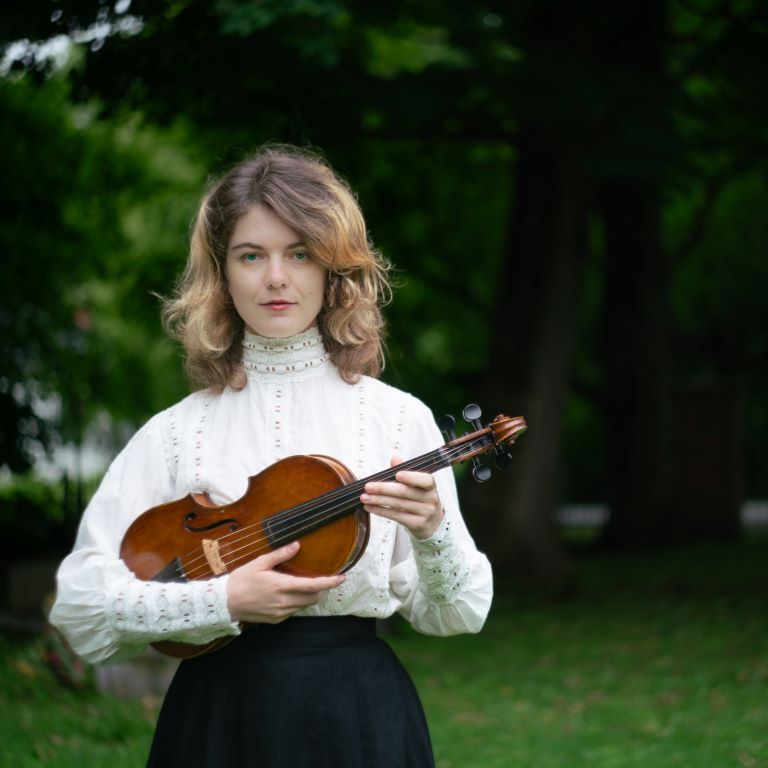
(556, 136)
(80, 201)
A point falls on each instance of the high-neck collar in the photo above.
(293, 357)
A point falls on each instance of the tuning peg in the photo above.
(472, 414)
(481, 472)
(446, 424)
(503, 457)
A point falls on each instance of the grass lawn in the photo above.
(655, 660)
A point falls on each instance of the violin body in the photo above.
(194, 538)
(312, 499)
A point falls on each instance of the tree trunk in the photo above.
(636, 364)
(534, 339)
(635, 312)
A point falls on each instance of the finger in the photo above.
(397, 511)
(269, 560)
(422, 523)
(385, 493)
(416, 479)
(420, 480)
(316, 584)
(397, 514)
(406, 519)
(412, 506)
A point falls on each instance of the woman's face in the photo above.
(275, 285)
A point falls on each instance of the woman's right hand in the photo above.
(258, 594)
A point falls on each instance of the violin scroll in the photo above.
(502, 431)
(507, 429)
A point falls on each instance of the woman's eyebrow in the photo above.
(255, 247)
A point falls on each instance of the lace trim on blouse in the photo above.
(144, 612)
(200, 445)
(442, 568)
(388, 530)
(277, 421)
(296, 357)
(340, 597)
(399, 428)
(170, 435)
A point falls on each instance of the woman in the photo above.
(278, 311)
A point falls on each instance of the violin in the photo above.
(311, 498)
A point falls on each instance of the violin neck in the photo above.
(291, 523)
(452, 453)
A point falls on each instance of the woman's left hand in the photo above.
(411, 501)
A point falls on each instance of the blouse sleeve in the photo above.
(444, 583)
(105, 612)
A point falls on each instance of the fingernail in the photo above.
(365, 498)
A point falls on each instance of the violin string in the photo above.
(288, 533)
(437, 457)
(294, 521)
(324, 510)
(346, 495)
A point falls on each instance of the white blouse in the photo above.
(295, 402)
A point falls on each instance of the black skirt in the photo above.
(305, 693)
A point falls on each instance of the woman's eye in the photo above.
(301, 256)
(250, 257)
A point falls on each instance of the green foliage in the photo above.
(244, 18)
(419, 104)
(718, 296)
(40, 517)
(28, 492)
(94, 222)
(437, 212)
(46, 724)
(410, 48)
(726, 270)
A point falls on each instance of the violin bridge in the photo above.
(212, 555)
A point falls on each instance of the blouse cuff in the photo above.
(442, 567)
(193, 612)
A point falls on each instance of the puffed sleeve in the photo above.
(105, 612)
(444, 583)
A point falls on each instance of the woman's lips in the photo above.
(278, 305)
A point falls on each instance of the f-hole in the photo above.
(230, 521)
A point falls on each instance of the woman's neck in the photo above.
(292, 355)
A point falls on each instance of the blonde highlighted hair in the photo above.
(301, 189)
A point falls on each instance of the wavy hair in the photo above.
(302, 190)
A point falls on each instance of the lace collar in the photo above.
(294, 357)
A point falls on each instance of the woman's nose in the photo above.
(277, 277)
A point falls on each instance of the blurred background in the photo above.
(574, 196)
